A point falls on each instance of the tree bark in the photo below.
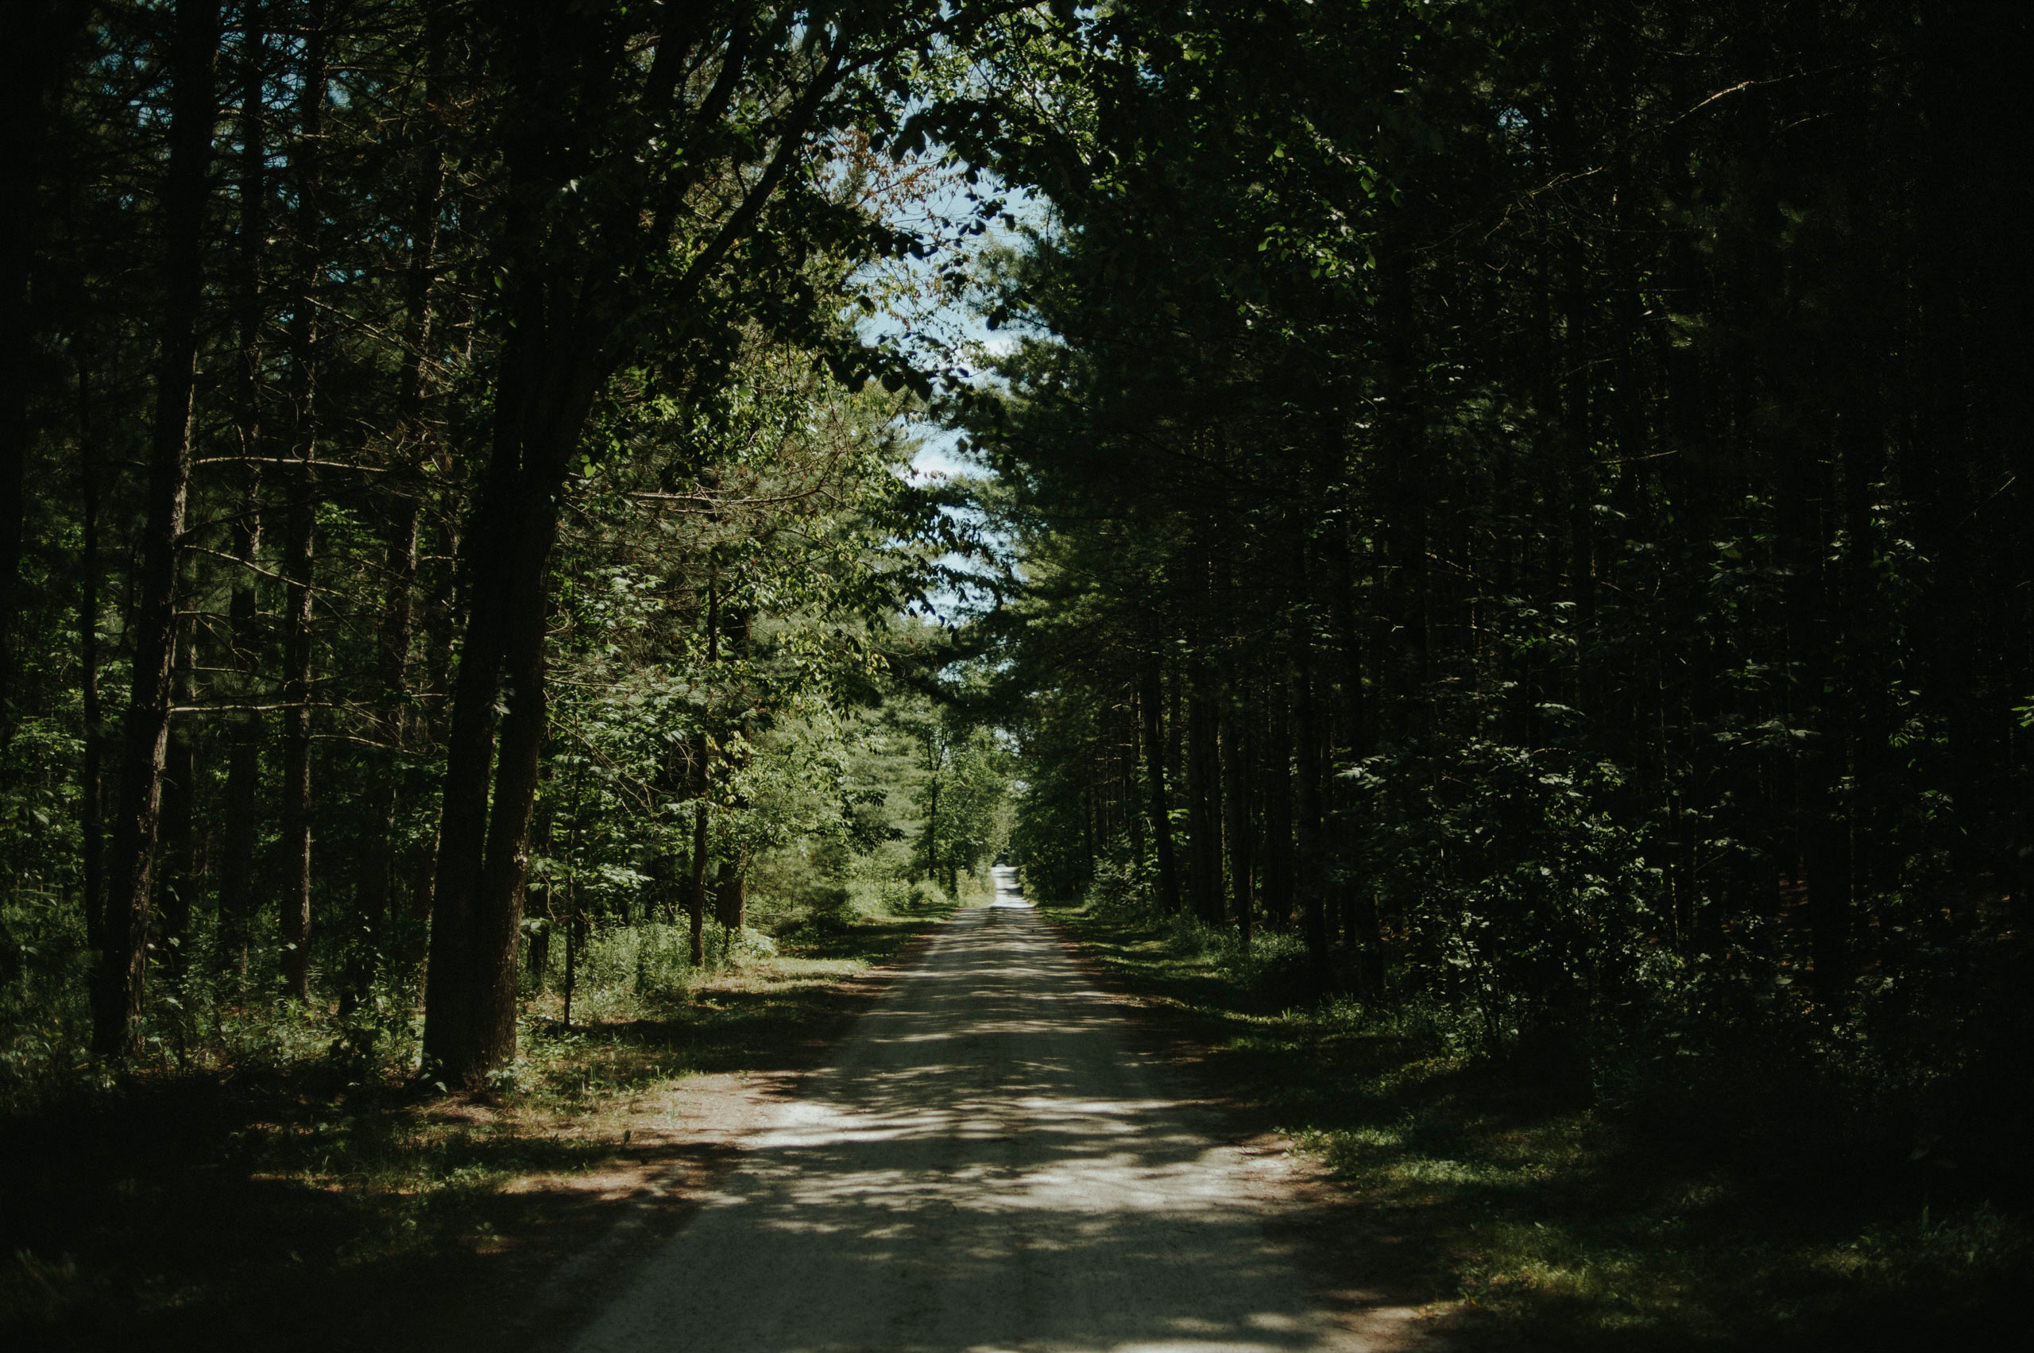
(91, 803)
(469, 1027)
(1150, 700)
(1126, 789)
(397, 785)
(241, 825)
(1358, 897)
(1275, 768)
(549, 372)
(122, 967)
(570, 285)
(293, 850)
(177, 876)
(731, 892)
(1312, 865)
(731, 895)
(1204, 801)
(537, 899)
(1236, 769)
(695, 897)
(33, 61)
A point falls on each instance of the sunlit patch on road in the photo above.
(989, 1164)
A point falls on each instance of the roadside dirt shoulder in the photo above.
(1351, 1250)
(676, 1144)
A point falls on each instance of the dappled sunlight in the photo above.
(987, 1165)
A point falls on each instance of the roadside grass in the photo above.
(1523, 1217)
(308, 1201)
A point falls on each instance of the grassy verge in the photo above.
(305, 1204)
(1530, 1219)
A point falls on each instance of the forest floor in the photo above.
(299, 1205)
(295, 1204)
(1523, 1218)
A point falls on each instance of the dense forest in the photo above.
(1526, 500)
(1508, 513)
(461, 501)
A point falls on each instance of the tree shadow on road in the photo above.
(991, 1164)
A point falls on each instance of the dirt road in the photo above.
(987, 1164)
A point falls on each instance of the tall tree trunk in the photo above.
(537, 898)
(1312, 811)
(397, 784)
(469, 1027)
(293, 875)
(1091, 813)
(1276, 787)
(91, 799)
(564, 316)
(122, 967)
(34, 59)
(1358, 896)
(177, 875)
(1236, 768)
(703, 769)
(1133, 813)
(241, 825)
(695, 896)
(554, 357)
(1150, 707)
(731, 893)
(1204, 799)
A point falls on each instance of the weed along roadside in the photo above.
(213, 1206)
(1532, 1212)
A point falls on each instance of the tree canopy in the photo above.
(1522, 504)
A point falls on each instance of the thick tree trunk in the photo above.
(469, 1027)
(731, 895)
(565, 321)
(120, 978)
(483, 849)
(548, 376)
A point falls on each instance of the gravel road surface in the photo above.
(988, 1163)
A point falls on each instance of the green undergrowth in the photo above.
(1525, 1213)
(215, 1203)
